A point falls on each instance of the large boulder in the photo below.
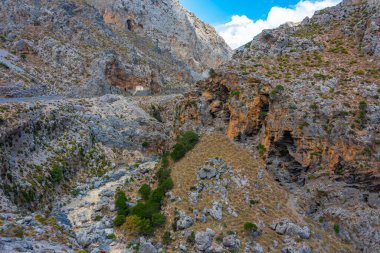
(203, 239)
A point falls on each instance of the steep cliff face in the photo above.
(73, 47)
(173, 28)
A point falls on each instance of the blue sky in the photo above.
(239, 21)
(216, 12)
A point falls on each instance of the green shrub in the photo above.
(145, 227)
(321, 76)
(191, 238)
(165, 160)
(185, 142)
(145, 144)
(178, 152)
(250, 226)
(145, 191)
(158, 195)
(261, 148)
(121, 203)
(359, 72)
(362, 111)
(166, 238)
(336, 228)
(167, 184)
(276, 91)
(188, 139)
(162, 174)
(234, 93)
(158, 219)
(111, 236)
(56, 173)
(119, 220)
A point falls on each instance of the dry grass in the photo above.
(270, 195)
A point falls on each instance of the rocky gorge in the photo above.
(100, 103)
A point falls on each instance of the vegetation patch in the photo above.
(146, 215)
(185, 143)
(276, 91)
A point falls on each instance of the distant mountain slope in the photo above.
(86, 48)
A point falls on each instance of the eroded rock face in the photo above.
(159, 46)
(191, 40)
(307, 107)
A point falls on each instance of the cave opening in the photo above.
(129, 25)
(282, 163)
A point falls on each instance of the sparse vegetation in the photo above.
(234, 93)
(166, 238)
(276, 91)
(262, 150)
(249, 227)
(212, 73)
(336, 228)
(56, 173)
(191, 238)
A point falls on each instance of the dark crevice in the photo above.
(282, 163)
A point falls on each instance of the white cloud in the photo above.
(241, 29)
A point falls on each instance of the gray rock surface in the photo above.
(203, 239)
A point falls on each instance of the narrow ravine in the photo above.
(91, 214)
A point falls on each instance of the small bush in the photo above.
(167, 184)
(158, 195)
(121, 203)
(185, 142)
(145, 191)
(162, 174)
(359, 72)
(41, 219)
(111, 236)
(178, 152)
(119, 220)
(132, 224)
(165, 160)
(362, 111)
(158, 219)
(56, 173)
(250, 227)
(234, 93)
(166, 238)
(191, 238)
(145, 227)
(261, 148)
(276, 91)
(336, 228)
(321, 76)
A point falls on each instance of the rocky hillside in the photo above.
(306, 98)
(278, 150)
(91, 48)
